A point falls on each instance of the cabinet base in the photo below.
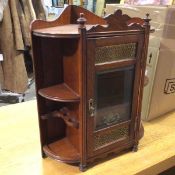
(62, 150)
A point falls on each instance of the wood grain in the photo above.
(70, 31)
(61, 92)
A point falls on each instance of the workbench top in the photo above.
(20, 147)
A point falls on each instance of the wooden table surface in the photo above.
(20, 147)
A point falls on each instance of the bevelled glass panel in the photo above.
(114, 89)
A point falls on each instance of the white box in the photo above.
(159, 94)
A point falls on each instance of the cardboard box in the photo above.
(157, 13)
(163, 91)
(151, 2)
(158, 97)
(152, 59)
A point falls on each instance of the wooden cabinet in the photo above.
(89, 75)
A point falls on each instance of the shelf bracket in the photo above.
(65, 114)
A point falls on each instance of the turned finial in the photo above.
(147, 19)
(81, 20)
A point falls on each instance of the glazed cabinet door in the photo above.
(113, 66)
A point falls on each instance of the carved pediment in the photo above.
(118, 22)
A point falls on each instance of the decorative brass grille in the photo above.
(110, 136)
(114, 52)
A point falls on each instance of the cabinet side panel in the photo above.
(47, 58)
(71, 64)
(37, 62)
(51, 55)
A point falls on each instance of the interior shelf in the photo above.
(62, 150)
(60, 92)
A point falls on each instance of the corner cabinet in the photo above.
(89, 75)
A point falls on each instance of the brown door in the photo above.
(112, 82)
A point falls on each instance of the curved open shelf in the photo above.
(62, 150)
(60, 92)
(62, 31)
(65, 31)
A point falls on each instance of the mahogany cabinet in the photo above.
(89, 75)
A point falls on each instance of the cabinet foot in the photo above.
(135, 148)
(44, 155)
(82, 167)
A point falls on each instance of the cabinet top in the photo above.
(65, 31)
(66, 25)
